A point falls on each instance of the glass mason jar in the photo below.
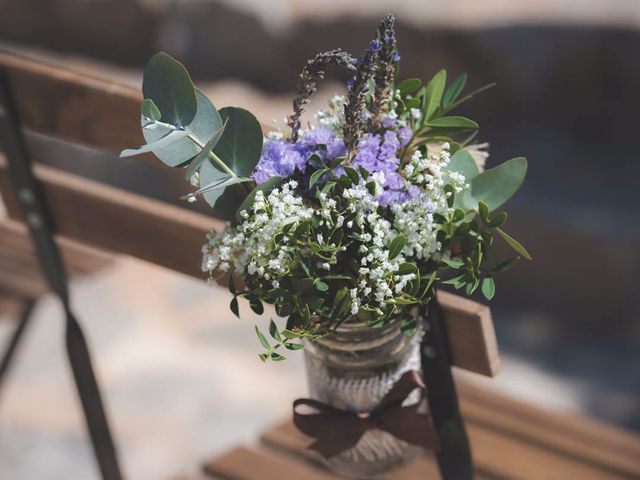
(354, 369)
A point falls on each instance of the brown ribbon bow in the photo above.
(336, 430)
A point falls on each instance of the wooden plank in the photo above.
(254, 463)
(576, 435)
(516, 442)
(471, 335)
(109, 218)
(72, 105)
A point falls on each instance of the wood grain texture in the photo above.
(471, 335)
(20, 274)
(511, 440)
(258, 463)
(107, 218)
(72, 105)
(80, 108)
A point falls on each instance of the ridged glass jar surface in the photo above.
(354, 369)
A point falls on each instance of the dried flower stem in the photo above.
(385, 66)
(312, 73)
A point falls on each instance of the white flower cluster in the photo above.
(377, 279)
(250, 246)
(414, 219)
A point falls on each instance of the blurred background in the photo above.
(181, 374)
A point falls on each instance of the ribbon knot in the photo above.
(336, 430)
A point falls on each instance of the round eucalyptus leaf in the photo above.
(168, 84)
(209, 175)
(496, 185)
(241, 144)
(203, 126)
(463, 163)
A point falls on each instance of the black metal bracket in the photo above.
(40, 226)
(14, 340)
(454, 457)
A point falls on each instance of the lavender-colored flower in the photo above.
(389, 122)
(376, 45)
(405, 134)
(280, 157)
(397, 57)
(323, 136)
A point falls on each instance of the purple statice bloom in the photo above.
(280, 157)
(389, 122)
(323, 136)
(405, 134)
(376, 45)
(397, 57)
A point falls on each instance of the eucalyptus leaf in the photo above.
(240, 146)
(171, 137)
(496, 185)
(203, 126)
(149, 110)
(199, 159)
(213, 182)
(228, 203)
(168, 84)
(463, 163)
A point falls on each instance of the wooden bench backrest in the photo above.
(78, 108)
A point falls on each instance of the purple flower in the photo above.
(376, 45)
(405, 134)
(279, 157)
(397, 57)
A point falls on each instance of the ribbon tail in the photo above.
(417, 430)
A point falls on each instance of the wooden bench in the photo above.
(509, 439)
(62, 113)
(21, 282)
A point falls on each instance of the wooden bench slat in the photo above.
(254, 463)
(507, 446)
(112, 219)
(574, 435)
(470, 334)
(73, 105)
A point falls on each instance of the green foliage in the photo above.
(184, 129)
(265, 187)
(496, 185)
(241, 143)
(167, 83)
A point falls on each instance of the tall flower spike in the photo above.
(355, 109)
(387, 58)
(312, 73)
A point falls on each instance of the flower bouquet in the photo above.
(344, 224)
